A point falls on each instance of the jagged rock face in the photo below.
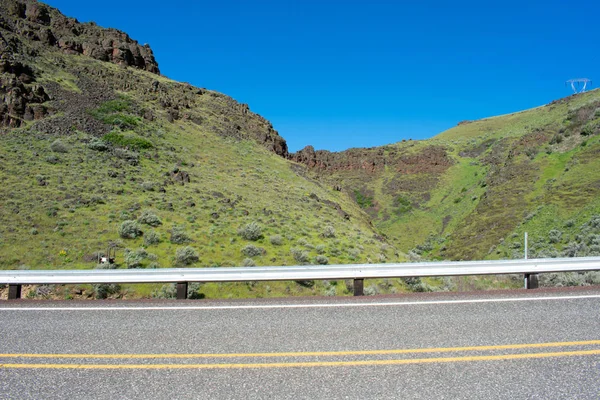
(20, 100)
(432, 159)
(39, 22)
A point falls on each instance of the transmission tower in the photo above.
(579, 85)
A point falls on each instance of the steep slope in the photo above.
(472, 191)
(97, 150)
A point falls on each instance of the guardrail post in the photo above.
(358, 287)
(182, 290)
(531, 281)
(14, 292)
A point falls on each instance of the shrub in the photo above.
(320, 248)
(148, 186)
(320, 259)
(179, 236)
(556, 139)
(328, 232)
(151, 238)
(131, 157)
(135, 258)
(417, 285)
(554, 236)
(253, 251)
(186, 256)
(300, 256)
(52, 159)
(252, 231)
(587, 130)
(149, 218)
(248, 262)
(97, 145)
(59, 147)
(103, 290)
(328, 289)
(371, 290)
(306, 284)
(562, 279)
(353, 253)
(363, 200)
(129, 230)
(129, 141)
(276, 240)
(572, 249)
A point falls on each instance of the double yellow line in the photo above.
(307, 354)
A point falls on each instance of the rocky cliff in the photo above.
(44, 72)
(40, 23)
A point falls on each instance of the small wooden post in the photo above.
(182, 288)
(14, 292)
(358, 287)
(531, 281)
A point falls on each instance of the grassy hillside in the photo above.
(167, 174)
(472, 191)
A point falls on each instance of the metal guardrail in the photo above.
(358, 272)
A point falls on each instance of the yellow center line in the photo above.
(308, 364)
(310, 353)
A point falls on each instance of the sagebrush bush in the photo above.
(554, 236)
(320, 259)
(252, 231)
(97, 145)
(148, 186)
(129, 230)
(300, 256)
(248, 262)
(52, 159)
(59, 147)
(135, 258)
(328, 232)
(371, 290)
(131, 157)
(151, 238)
(104, 290)
(179, 236)
(276, 240)
(149, 218)
(186, 256)
(253, 251)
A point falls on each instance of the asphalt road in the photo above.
(534, 344)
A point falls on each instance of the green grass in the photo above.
(127, 140)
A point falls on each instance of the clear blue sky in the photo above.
(341, 74)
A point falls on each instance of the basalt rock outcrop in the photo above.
(431, 159)
(40, 77)
(40, 23)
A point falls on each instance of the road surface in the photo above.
(522, 344)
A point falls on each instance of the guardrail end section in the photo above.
(182, 288)
(358, 287)
(14, 292)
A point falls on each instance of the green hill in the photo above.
(472, 191)
(106, 152)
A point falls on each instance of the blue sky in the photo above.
(341, 74)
